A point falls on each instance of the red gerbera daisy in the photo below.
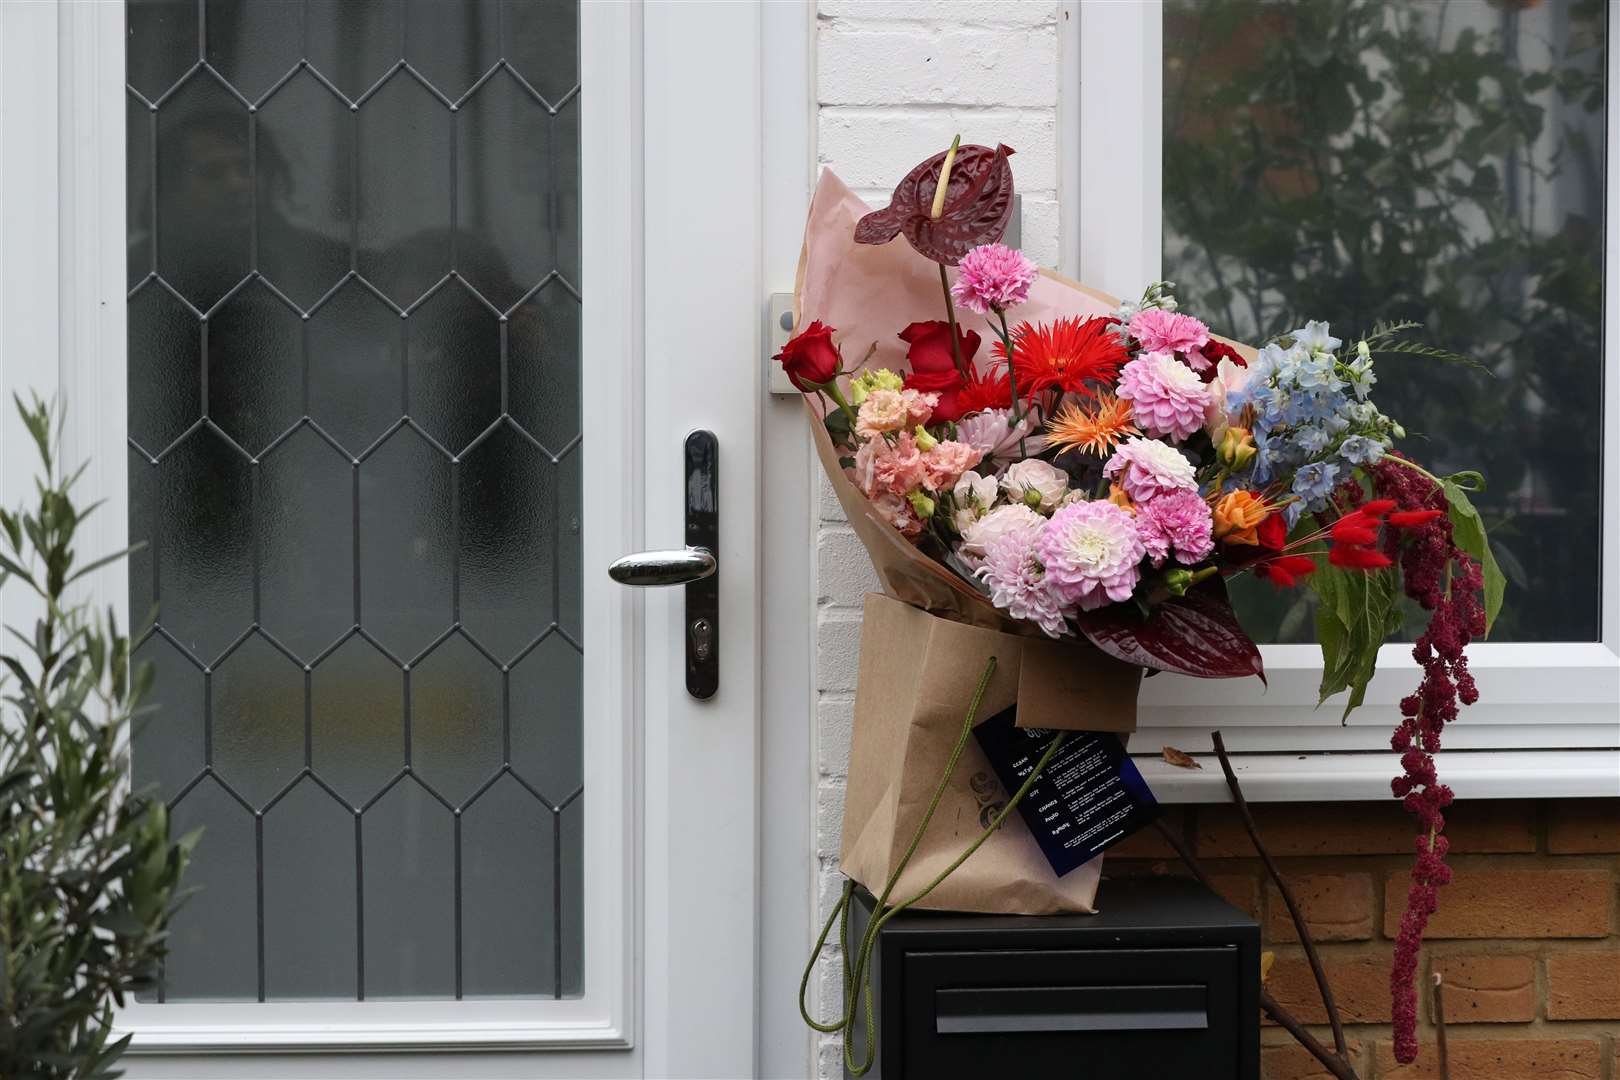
(1067, 354)
(984, 390)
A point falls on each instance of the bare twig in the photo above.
(1336, 1064)
(1315, 961)
(1440, 1027)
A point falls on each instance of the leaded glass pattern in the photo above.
(354, 449)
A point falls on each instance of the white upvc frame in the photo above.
(1548, 721)
(62, 328)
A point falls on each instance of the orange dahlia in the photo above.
(1095, 431)
(1067, 354)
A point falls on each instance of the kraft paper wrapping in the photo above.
(868, 292)
(917, 675)
(924, 643)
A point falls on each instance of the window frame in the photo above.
(1507, 745)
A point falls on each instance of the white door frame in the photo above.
(677, 781)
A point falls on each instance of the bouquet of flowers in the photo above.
(1064, 465)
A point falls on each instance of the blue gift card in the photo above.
(1088, 798)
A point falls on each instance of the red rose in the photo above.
(933, 367)
(810, 358)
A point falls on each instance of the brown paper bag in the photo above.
(917, 675)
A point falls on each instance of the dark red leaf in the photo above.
(978, 206)
(1197, 634)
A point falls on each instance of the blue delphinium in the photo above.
(1314, 482)
(1361, 450)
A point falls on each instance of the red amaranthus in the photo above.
(1446, 583)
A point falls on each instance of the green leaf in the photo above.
(1357, 613)
(105, 560)
(1468, 532)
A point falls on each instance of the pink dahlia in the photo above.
(1018, 584)
(1157, 330)
(993, 276)
(1148, 468)
(1179, 522)
(1092, 553)
(1167, 397)
(989, 433)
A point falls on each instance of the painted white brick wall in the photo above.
(895, 79)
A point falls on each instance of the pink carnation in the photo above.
(1157, 330)
(1179, 521)
(993, 276)
(1092, 554)
(946, 462)
(1167, 398)
(1149, 468)
(919, 406)
(897, 511)
(1018, 584)
(894, 468)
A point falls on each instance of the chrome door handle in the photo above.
(674, 567)
(694, 566)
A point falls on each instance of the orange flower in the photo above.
(1117, 496)
(1095, 431)
(1237, 515)
(1066, 354)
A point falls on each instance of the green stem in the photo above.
(1012, 370)
(837, 395)
(1012, 377)
(950, 313)
(1415, 467)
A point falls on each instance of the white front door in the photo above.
(386, 322)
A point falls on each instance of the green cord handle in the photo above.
(858, 982)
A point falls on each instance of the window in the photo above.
(353, 424)
(1353, 160)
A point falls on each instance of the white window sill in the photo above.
(1472, 774)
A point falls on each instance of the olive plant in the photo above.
(89, 876)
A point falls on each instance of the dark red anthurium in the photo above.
(978, 205)
(1216, 351)
(933, 367)
(1197, 634)
(810, 358)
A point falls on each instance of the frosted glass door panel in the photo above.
(354, 455)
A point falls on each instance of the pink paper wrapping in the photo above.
(871, 292)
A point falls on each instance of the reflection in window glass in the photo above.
(354, 375)
(1352, 160)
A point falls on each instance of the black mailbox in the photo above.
(1163, 984)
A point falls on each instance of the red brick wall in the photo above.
(1527, 937)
